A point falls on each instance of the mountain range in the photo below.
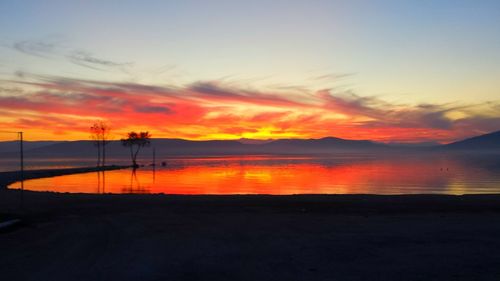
(487, 142)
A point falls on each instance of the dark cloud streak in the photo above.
(38, 48)
(86, 59)
(153, 109)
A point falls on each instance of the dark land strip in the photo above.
(303, 237)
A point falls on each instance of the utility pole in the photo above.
(21, 148)
(21, 154)
(21, 158)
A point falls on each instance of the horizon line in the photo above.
(276, 139)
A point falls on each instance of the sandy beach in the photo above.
(306, 237)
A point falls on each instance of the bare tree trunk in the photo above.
(103, 153)
(98, 153)
(132, 156)
(135, 155)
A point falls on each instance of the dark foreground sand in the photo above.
(161, 237)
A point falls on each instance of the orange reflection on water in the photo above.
(285, 176)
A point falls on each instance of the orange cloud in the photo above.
(61, 108)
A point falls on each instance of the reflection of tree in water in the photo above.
(101, 182)
(154, 174)
(135, 185)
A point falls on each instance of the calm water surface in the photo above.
(291, 175)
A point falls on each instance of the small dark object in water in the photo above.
(163, 164)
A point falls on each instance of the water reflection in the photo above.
(289, 175)
(101, 182)
(135, 185)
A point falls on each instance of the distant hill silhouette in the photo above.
(427, 144)
(254, 141)
(489, 141)
(213, 147)
(319, 145)
(162, 146)
(13, 146)
(180, 147)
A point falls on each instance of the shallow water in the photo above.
(8, 164)
(291, 175)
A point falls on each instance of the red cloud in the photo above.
(209, 109)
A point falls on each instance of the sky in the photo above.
(390, 71)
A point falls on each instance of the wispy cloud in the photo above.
(52, 48)
(88, 60)
(38, 48)
(332, 76)
(213, 109)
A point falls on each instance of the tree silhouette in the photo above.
(105, 132)
(99, 133)
(136, 141)
(94, 135)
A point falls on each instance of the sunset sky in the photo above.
(391, 71)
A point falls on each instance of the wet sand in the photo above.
(306, 237)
